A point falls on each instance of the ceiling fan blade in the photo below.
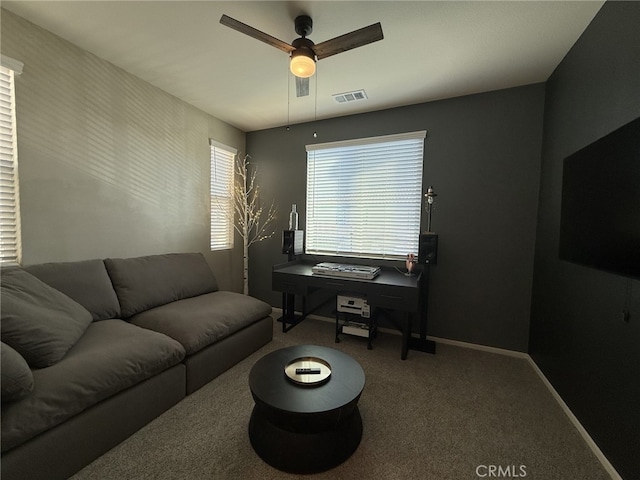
(255, 33)
(348, 41)
(302, 87)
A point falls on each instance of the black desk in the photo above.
(390, 290)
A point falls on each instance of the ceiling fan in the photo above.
(303, 52)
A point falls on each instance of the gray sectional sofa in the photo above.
(94, 350)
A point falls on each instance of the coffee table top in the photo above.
(271, 388)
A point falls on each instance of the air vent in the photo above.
(350, 96)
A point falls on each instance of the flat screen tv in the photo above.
(600, 215)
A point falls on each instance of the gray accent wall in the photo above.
(109, 165)
(482, 156)
(578, 336)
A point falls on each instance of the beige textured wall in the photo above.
(109, 165)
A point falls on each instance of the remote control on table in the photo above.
(307, 371)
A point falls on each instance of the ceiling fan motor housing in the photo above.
(303, 25)
(303, 46)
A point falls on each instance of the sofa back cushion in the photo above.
(37, 320)
(145, 282)
(87, 282)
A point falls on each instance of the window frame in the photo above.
(10, 227)
(221, 196)
(391, 207)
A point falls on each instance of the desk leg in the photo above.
(289, 318)
(421, 344)
(288, 312)
(406, 332)
(373, 330)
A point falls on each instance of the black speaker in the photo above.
(293, 242)
(428, 248)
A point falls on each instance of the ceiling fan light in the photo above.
(302, 66)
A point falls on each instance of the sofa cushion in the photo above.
(201, 321)
(38, 321)
(111, 356)
(145, 282)
(17, 379)
(87, 282)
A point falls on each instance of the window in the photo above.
(10, 244)
(364, 196)
(222, 206)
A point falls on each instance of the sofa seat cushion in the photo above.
(201, 321)
(111, 356)
(87, 282)
(38, 321)
(142, 283)
(17, 379)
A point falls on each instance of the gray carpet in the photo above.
(442, 416)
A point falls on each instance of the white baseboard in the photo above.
(483, 348)
(576, 423)
(512, 353)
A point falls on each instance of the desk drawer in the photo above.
(336, 284)
(288, 284)
(393, 298)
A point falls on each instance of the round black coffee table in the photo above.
(305, 428)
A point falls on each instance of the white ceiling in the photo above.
(431, 50)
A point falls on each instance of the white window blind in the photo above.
(222, 207)
(364, 196)
(10, 244)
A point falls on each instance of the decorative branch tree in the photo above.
(251, 221)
